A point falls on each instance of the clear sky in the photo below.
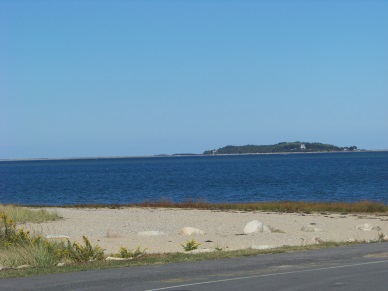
(125, 78)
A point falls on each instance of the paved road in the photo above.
(359, 267)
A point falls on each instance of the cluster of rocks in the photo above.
(252, 227)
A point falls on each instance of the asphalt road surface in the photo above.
(358, 267)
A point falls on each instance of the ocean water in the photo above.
(245, 178)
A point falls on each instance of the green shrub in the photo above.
(190, 245)
(18, 247)
(10, 235)
(125, 253)
(81, 254)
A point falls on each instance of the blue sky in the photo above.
(125, 78)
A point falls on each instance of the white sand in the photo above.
(224, 229)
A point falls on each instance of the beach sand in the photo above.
(114, 228)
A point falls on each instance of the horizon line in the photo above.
(175, 155)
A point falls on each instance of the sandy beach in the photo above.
(128, 227)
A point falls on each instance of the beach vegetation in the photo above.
(75, 252)
(157, 259)
(19, 247)
(126, 254)
(37, 253)
(190, 245)
(275, 206)
(9, 235)
(24, 214)
(271, 206)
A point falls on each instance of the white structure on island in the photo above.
(302, 146)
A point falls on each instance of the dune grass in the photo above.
(18, 247)
(33, 254)
(277, 206)
(282, 206)
(157, 259)
(23, 214)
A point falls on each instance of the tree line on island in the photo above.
(281, 147)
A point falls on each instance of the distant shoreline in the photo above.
(181, 155)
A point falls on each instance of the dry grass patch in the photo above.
(32, 254)
(23, 214)
(279, 206)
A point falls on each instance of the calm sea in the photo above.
(309, 177)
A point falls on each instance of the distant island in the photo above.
(281, 147)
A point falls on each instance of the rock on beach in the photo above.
(367, 227)
(110, 233)
(191, 230)
(255, 226)
(310, 228)
(158, 229)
